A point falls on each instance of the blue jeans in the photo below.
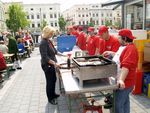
(122, 101)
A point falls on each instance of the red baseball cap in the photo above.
(90, 29)
(126, 33)
(80, 28)
(102, 29)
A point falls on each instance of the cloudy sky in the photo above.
(65, 4)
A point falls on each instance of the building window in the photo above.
(97, 22)
(28, 17)
(50, 8)
(38, 25)
(51, 15)
(55, 16)
(79, 15)
(52, 24)
(110, 14)
(31, 9)
(86, 15)
(102, 14)
(82, 8)
(55, 24)
(78, 8)
(79, 23)
(83, 23)
(96, 14)
(83, 15)
(38, 16)
(44, 15)
(107, 15)
(32, 16)
(93, 15)
(87, 22)
(33, 25)
(102, 22)
(86, 8)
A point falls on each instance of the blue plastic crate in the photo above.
(146, 81)
(65, 43)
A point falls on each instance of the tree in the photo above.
(117, 24)
(17, 18)
(62, 23)
(108, 23)
(43, 24)
(91, 24)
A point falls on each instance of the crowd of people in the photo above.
(120, 49)
(9, 44)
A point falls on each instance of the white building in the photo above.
(83, 14)
(36, 13)
(2, 19)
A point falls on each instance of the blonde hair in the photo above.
(47, 30)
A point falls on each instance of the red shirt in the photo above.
(75, 33)
(129, 59)
(92, 44)
(112, 44)
(101, 45)
(81, 41)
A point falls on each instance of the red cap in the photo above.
(90, 29)
(75, 27)
(80, 28)
(102, 29)
(126, 33)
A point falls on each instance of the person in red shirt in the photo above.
(127, 60)
(74, 31)
(92, 42)
(81, 39)
(111, 43)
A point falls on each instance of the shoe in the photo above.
(56, 96)
(53, 102)
(19, 67)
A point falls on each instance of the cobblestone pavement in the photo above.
(24, 92)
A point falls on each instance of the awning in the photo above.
(113, 2)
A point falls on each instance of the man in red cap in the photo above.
(74, 31)
(111, 43)
(92, 42)
(127, 59)
(81, 39)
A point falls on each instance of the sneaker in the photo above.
(53, 102)
(19, 67)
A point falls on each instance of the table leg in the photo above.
(69, 99)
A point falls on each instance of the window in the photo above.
(55, 16)
(38, 16)
(33, 25)
(50, 8)
(28, 17)
(79, 23)
(96, 14)
(102, 14)
(83, 23)
(31, 9)
(87, 22)
(51, 15)
(102, 22)
(83, 15)
(55, 24)
(110, 14)
(93, 15)
(38, 24)
(86, 15)
(97, 22)
(32, 16)
(52, 24)
(78, 8)
(86, 8)
(82, 8)
(44, 15)
(79, 15)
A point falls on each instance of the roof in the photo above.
(113, 2)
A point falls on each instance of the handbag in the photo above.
(3, 65)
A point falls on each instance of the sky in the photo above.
(65, 4)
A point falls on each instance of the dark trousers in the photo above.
(14, 57)
(50, 75)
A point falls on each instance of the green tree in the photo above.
(91, 24)
(62, 23)
(17, 18)
(117, 24)
(108, 23)
(43, 24)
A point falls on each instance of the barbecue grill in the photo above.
(93, 67)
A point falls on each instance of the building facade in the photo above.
(39, 13)
(2, 19)
(83, 14)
